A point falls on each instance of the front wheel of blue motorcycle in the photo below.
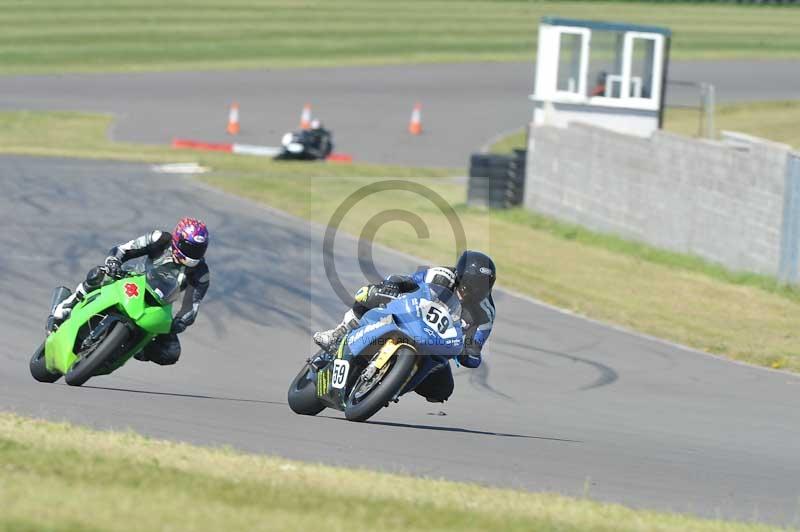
(369, 395)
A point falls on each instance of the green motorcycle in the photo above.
(109, 325)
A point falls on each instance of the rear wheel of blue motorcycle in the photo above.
(302, 394)
(39, 369)
(362, 408)
(84, 368)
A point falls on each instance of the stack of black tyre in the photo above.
(496, 181)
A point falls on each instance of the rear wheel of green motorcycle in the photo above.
(39, 369)
(84, 368)
(302, 394)
(361, 406)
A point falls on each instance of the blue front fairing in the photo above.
(404, 315)
(375, 325)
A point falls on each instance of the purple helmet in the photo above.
(189, 241)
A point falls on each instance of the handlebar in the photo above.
(106, 271)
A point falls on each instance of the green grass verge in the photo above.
(676, 261)
(147, 35)
(669, 295)
(62, 477)
(775, 120)
(507, 143)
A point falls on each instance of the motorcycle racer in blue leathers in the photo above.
(471, 279)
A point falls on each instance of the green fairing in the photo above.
(152, 320)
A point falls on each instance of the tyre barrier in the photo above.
(496, 181)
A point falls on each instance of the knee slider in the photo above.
(173, 351)
(167, 357)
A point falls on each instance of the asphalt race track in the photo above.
(368, 108)
(561, 404)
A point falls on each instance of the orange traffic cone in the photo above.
(305, 118)
(233, 119)
(415, 126)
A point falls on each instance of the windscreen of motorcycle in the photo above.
(442, 312)
(448, 298)
(164, 280)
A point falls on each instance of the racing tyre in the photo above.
(303, 394)
(39, 369)
(367, 397)
(93, 359)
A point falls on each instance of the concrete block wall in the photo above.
(687, 195)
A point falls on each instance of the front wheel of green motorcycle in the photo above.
(302, 394)
(39, 369)
(92, 359)
(370, 395)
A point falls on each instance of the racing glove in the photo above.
(470, 358)
(114, 266)
(388, 289)
(180, 323)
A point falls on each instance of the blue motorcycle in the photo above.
(392, 351)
